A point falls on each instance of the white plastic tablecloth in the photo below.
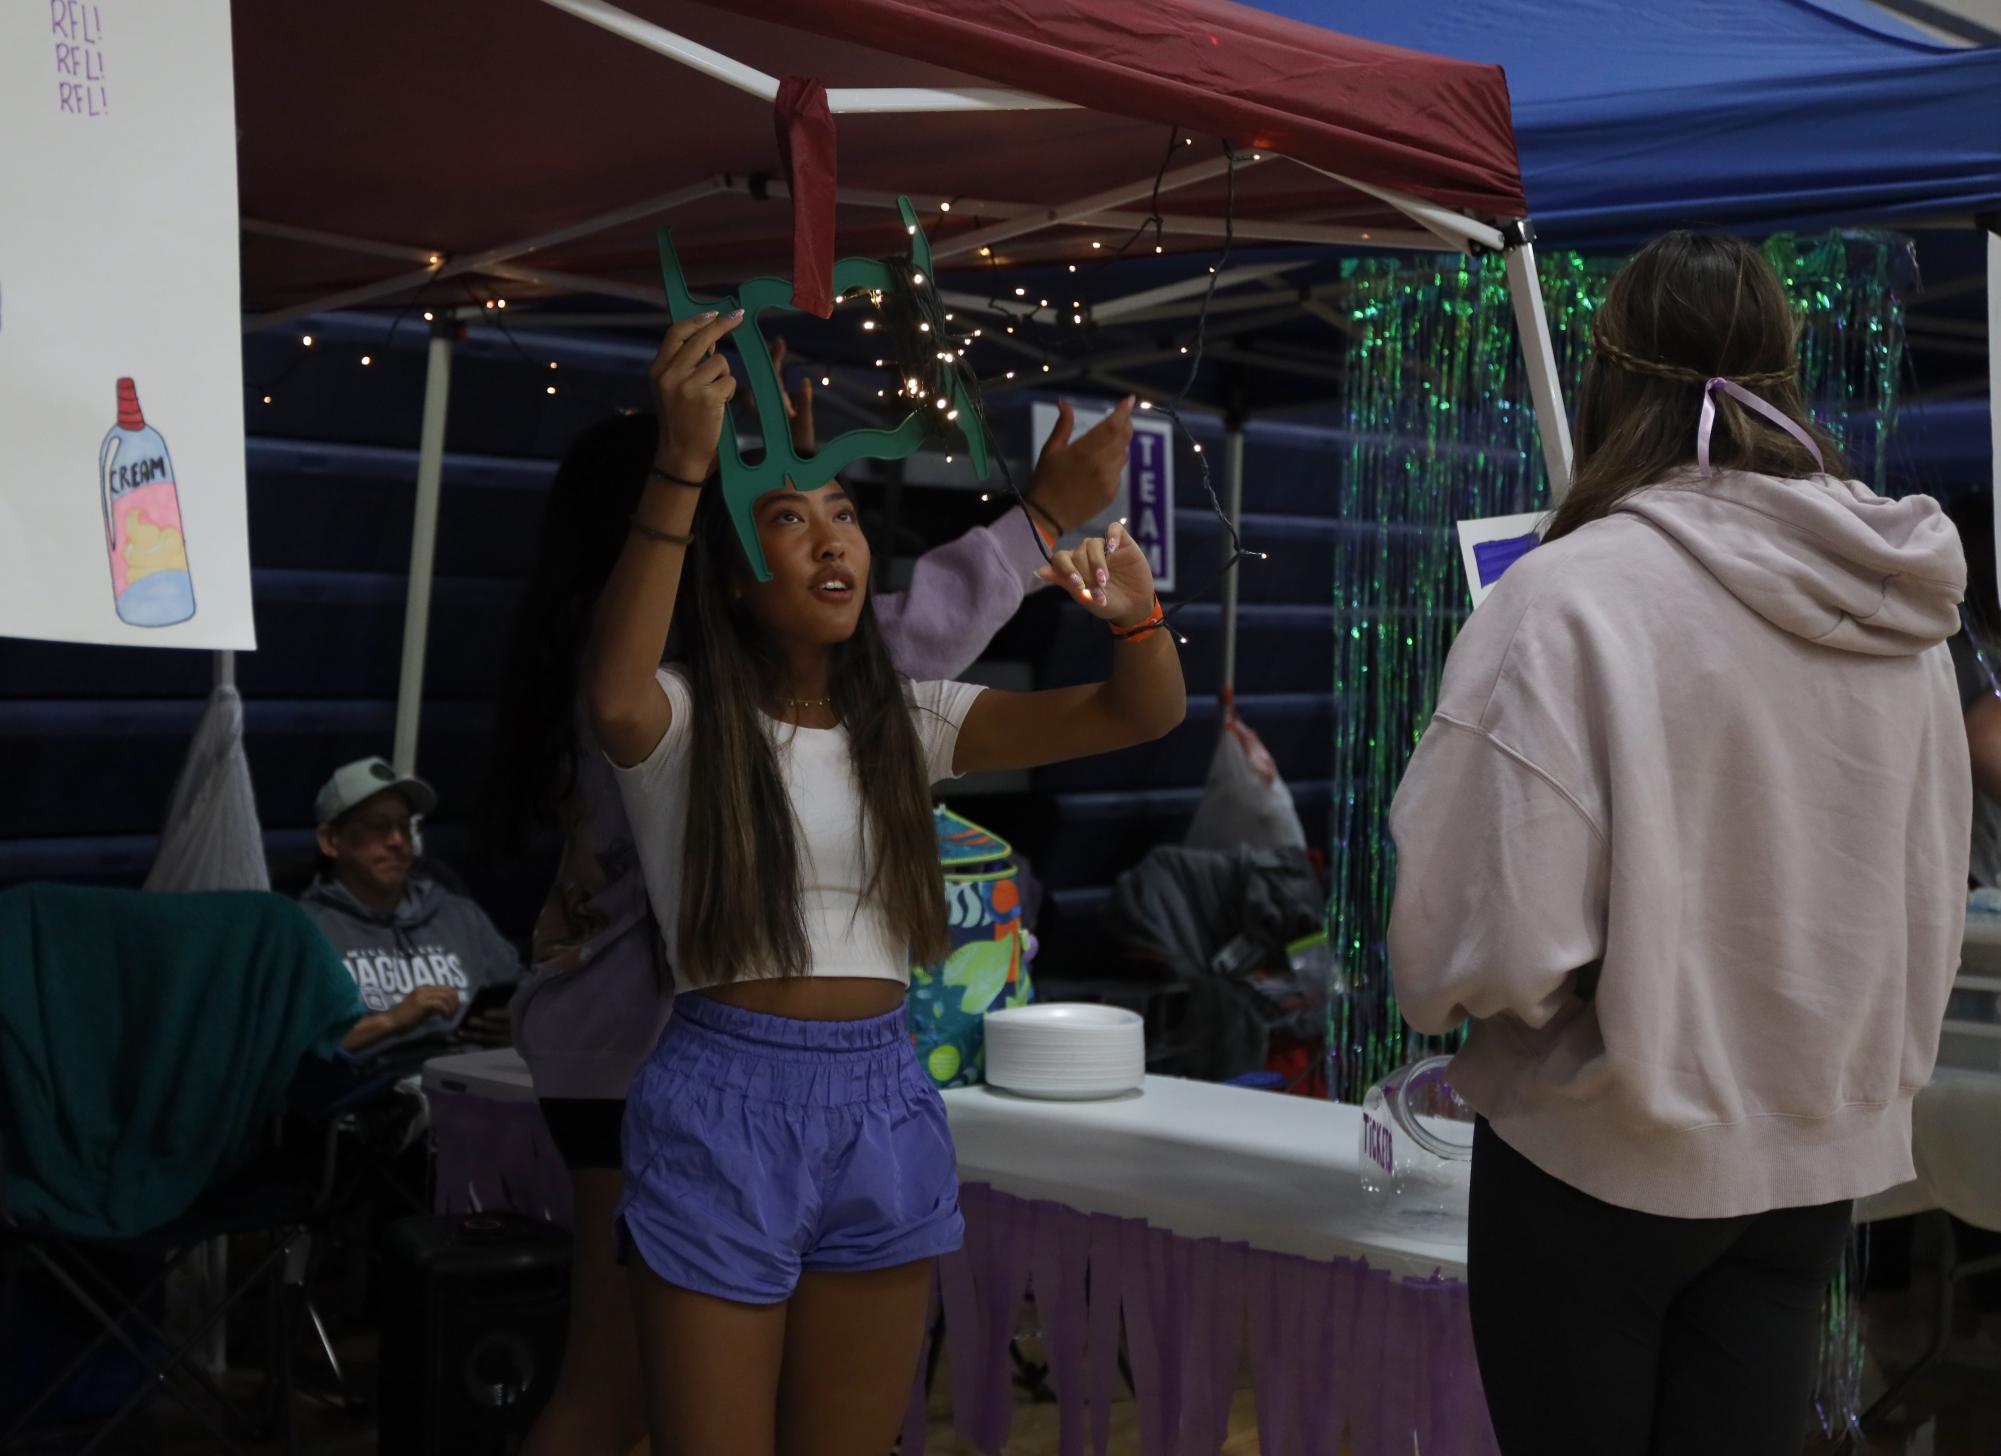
(1279, 1172)
(1202, 1161)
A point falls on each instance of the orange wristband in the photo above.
(1151, 623)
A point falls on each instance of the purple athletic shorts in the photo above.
(758, 1146)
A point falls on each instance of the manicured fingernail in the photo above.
(736, 313)
(704, 318)
(1102, 578)
(1078, 579)
(1111, 544)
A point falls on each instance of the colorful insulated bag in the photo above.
(986, 968)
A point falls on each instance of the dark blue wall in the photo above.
(331, 465)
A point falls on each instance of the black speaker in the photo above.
(474, 1312)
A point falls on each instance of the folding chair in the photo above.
(287, 1192)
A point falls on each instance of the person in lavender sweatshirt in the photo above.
(1686, 842)
(597, 997)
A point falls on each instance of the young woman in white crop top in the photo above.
(788, 1171)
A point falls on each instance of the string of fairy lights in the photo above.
(926, 349)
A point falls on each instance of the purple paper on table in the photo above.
(1495, 557)
(495, 1157)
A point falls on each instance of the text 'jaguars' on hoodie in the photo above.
(432, 938)
(1688, 839)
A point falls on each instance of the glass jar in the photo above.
(1416, 1150)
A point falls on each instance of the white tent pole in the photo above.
(225, 668)
(1539, 352)
(578, 283)
(749, 79)
(1066, 212)
(1171, 223)
(423, 544)
(711, 63)
(1233, 485)
(1112, 309)
(482, 262)
(1455, 228)
(1417, 240)
(1994, 364)
(340, 242)
(850, 100)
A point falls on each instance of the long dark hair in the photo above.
(1689, 307)
(534, 758)
(741, 897)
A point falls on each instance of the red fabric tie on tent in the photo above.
(806, 144)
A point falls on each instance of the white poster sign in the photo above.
(121, 355)
(1489, 546)
(1146, 490)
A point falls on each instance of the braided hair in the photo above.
(1688, 308)
(1605, 347)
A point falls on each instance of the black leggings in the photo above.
(1618, 1333)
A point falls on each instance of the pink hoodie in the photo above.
(1707, 754)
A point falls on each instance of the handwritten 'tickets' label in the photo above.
(1377, 1144)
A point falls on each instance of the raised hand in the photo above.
(798, 401)
(691, 384)
(1108, 574)
(1075, 480)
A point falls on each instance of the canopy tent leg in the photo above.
(1993, 225)
(1233, 486)
(1545, 385)
(225, 668)
(423, 544)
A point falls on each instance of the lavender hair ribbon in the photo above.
(1744, 397)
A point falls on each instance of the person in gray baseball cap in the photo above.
(419, 953)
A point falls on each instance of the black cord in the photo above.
(1172, 410)
(1152, 219)
(914, 318)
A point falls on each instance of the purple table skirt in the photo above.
(1332, 1346)
(495, 1156)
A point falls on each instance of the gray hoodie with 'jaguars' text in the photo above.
(433, 938)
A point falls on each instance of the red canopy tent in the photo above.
(469, 149)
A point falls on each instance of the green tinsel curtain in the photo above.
(1441, 429)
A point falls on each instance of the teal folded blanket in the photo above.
(146, 1040)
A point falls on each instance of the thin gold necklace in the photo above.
(809, 702)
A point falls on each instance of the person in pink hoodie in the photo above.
(1686, 843)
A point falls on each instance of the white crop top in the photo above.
(844, 936)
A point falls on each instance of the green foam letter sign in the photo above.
(782, 465)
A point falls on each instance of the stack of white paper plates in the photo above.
(1065, 1050)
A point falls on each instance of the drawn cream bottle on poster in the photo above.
(142, 521)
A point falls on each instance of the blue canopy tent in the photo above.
(1755, 114)
(1763, 114)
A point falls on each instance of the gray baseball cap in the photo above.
(363, 779)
